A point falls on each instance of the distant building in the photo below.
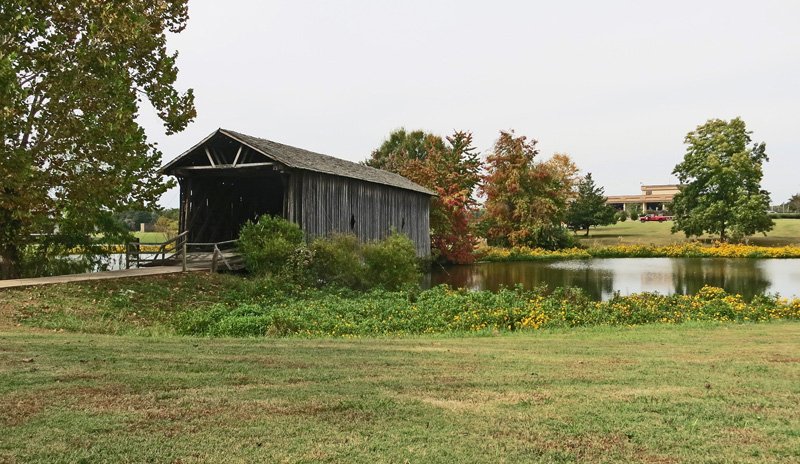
(653, 198)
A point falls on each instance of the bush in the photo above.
(391, 262)
(267, 245)
(337, 260)
(622, 216)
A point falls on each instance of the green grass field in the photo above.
(665, 394)
(786, 232)
(150, 237)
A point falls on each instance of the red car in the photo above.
(653, 217)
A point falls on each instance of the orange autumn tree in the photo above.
(525, 200)
(452, 170)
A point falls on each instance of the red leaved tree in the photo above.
(452, 170)
(526, 201)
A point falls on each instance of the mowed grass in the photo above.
(786, 232)
(665, 394)
(151, 237)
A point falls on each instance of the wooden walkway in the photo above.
(197, 261)
(145, 271)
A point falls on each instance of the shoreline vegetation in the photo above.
(677, 250)
(199, 304)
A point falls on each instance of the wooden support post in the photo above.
(183, 258)
(214, 260)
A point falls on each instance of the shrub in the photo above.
(337, 260)
(267, 244)
(391, 262)
(622, 216)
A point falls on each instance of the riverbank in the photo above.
(676, 250)
(234, 306)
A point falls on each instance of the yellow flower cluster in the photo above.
(676, 250)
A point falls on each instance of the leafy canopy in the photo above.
(589, 207)
(720, 178)
(401, 146)
(526, 201)
(73, 74)
(794, 203)
(452, 170)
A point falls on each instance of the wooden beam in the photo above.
(209, 158)
(227, 166)
(236, 160)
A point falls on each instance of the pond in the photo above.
(600, 278)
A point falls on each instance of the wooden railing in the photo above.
(216, 254)
(178, 248)
(167, 250)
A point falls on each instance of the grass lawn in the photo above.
(150, 237)
(786, 232)
(666, 394)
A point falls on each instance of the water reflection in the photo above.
(600, 278)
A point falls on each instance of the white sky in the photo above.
(614, 84)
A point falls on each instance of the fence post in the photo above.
(214, 260)
(138, 253)
(127, 255)
(183, 258)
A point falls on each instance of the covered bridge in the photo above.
(229, 178)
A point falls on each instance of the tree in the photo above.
(73, 74)
(167, 226)
(525, 201)
(451, 170)
(794, 203)
(402, 146)
(589, 208)
(720, 178)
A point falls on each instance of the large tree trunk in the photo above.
(9, 262)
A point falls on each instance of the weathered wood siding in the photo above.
(322, 203)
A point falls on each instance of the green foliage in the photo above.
(167, 226)
(589, 208)
(328, 313)
(622, 216)
(391, 262)
(337, 261)
(275, 247)
(72, 77)
(793, 205)
(635, 210)
(402, 146)
(132, 219)
(171, 213)
(267, 245)
(720, 178)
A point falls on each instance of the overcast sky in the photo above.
(614, 84)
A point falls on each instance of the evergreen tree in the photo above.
(589, 208)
